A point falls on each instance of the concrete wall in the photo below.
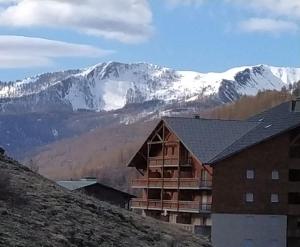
(241, 230)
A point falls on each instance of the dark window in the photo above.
(154, 194)
(295, 143)
(298, 222)
(294, 198)
(295, 151)
(294, 175)
(173, 150)
(294, 134)
(184, 218)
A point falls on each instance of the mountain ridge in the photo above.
(113, 85)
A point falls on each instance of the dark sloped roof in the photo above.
(206, 138)
(211, 140)
(79, 184)
(271, 123)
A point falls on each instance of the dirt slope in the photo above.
(36, 212)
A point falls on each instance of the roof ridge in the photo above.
(210, 119)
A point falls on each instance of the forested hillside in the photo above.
(249, 105)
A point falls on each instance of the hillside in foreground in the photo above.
(36, 212)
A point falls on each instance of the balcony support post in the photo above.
(163, 164)
(148, 163)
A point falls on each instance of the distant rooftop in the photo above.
(85, 182)
(74, 185)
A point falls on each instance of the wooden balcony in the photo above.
(172, 183)
(168, 161)
(178, 206)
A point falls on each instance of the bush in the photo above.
(13, 197)
(5, 190)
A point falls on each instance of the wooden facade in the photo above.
(175, 186)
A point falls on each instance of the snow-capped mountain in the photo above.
(111, 86)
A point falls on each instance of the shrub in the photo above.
(5, 190)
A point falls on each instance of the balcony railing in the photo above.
(172, 183)
(166, 161)
(181, 206)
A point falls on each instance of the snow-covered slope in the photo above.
(112, 85)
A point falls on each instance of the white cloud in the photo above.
(127, 21)
(24, 52)
(275, 16)
(175, 3)
(279, 8)
(267, 25)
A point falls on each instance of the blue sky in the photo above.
(202, 35)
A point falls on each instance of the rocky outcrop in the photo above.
(37, 212)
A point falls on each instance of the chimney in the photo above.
(295, 105)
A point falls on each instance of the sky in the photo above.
(39, 36)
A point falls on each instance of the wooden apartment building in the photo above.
(236, 181)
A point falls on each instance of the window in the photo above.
(275, 175)
(173, 150)
(295, 144)
(249, 197)
(294, 175)
(294, 198)
(295, 152)
(250, 174)
(274, 198)
(298, 222)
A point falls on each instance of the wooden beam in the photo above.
(144, 157)
(140, 172)
(293, 142)
(156, 134)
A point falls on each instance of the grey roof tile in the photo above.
(206, 138)
(212, 140)
(271, 123)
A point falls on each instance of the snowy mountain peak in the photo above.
(112, 85)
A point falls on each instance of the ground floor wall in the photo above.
(241, 230)
(193, 222)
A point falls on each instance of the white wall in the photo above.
(241, 230)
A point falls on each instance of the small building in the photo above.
(237, 181)
(92, 187)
